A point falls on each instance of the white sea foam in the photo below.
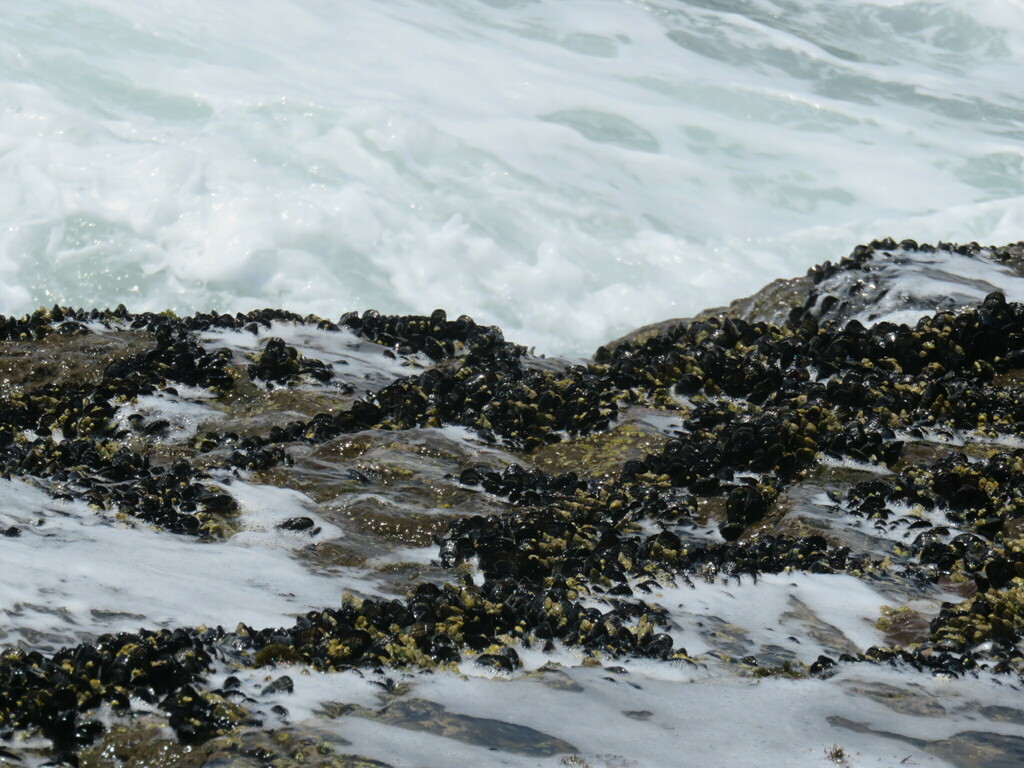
(647, 714)
(73, 572)
(777, 614)
(901, 286)
(354, 361)
(567, 169)
(183, 415)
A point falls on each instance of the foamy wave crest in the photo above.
(565, 169)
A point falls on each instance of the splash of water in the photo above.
(567, 170)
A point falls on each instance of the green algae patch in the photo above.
(285, 748)
(327, 556)
(598, 455)
(638, 714)
(553, 676)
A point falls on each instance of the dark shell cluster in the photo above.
(575, 558)
(76, 448)
(58, 695)
(281, 364)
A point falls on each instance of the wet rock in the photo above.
(562, 498)
(968, 749)
(773, 304)
(421, 715)
(601, 454)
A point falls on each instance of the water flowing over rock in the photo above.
(817, 486)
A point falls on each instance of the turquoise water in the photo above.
(566, 169)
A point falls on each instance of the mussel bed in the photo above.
(762, 407)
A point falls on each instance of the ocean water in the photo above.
(566, 169)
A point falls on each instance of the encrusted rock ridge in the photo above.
(842, 422)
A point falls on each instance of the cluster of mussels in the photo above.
(761, 406)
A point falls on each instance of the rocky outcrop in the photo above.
(787, 432)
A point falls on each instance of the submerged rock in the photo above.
(419, 715)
